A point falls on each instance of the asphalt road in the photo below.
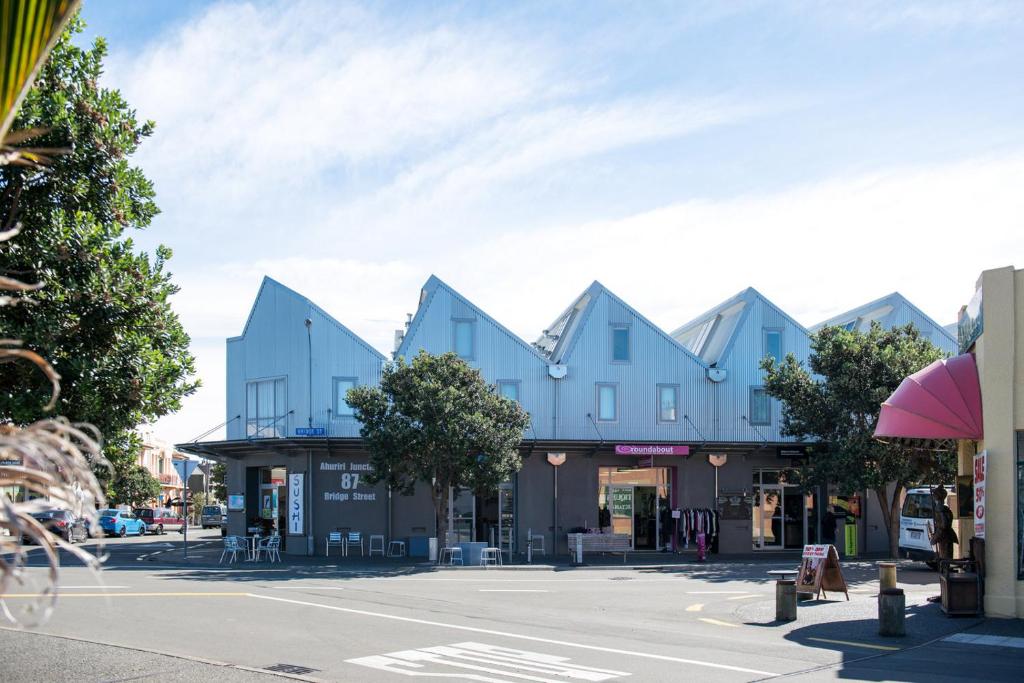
(143, 620)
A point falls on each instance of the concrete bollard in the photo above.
(886, 575)
(785, 600)
(892, 612)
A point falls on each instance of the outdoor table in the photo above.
(251, 543)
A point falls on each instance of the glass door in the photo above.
(506, 517)
(645, 518)
(622, 510)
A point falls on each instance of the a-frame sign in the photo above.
(820, 572)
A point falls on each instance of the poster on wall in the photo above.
(296, 511)
(980, 473)
(236, 503)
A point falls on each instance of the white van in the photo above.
(915, 518)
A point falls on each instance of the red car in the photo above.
(158, 518)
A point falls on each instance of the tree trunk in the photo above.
(890, 507)
(439, 494)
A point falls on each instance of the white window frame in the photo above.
(335, 413)
(597, 395)
(612, 329)
(472, 337)
(511, 382)
(279, 423)
(657, 409)
(764, 339)
(768, 406)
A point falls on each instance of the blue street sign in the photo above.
(185, 468)
(310, 431)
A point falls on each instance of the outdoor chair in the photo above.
(490, 557)
(452, 554)
(538, 544)
(272, 547)
(354, 538)
(376, 544)
(396, 549)
(231, 545)
(334, 538)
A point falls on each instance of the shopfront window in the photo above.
(636, 501)
(781, 513)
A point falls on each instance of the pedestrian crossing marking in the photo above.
(483, 662)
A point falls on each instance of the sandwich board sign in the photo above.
(820, 572)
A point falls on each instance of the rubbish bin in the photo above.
(432, 549)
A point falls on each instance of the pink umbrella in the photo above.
(942, 401)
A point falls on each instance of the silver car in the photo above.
(213, 516)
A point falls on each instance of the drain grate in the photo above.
(290, 669)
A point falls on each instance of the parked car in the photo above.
(213, 516)
(915, 521)
(121, 523)
(158, 518)
(62, 523)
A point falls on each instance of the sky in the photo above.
(825, 153)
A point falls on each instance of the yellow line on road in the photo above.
(853, 644)
(695, 608)
(122, 595)
(716, 622)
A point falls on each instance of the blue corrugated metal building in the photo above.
(604, 386)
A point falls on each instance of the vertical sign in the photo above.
(295, 504)
(980, 473)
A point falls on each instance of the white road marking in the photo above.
(742, 597)
(695, 608)
(502, 661)
(319, 588)
(96, 586)
(519, 636)
(716, 622)
(512, 590)
(717, 592)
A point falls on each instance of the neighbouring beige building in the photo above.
(158, 457)
(999, 353)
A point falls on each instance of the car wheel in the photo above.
(160, 530)
(71, 536)
(142, 530)
(932, 564)
(123, 532)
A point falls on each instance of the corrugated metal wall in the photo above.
(276, 344)
(498, 354)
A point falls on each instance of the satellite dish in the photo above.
(717, 459)
(717, 374)
(558, 371)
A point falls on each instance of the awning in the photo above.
(942, 401)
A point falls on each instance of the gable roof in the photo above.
(559, 340)
(269, 282)
(894, 301)
(712, 334)
(430, 289)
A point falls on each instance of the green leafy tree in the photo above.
(136, 487)
(836, 401)
(103, 316)
(218, 482)
(435, 420)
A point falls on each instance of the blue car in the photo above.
(120, 523)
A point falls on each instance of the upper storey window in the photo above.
(265, 408)
(464, 338)
(620, 344)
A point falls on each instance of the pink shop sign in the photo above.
(650, 449)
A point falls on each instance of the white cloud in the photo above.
(815, 250)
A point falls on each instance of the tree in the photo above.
(218, 482)
(137, 487)
(836, 401)
(436, 420)
(103, 316)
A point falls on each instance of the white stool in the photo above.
(452, 554)
(376, 544)
(490, 556)
(396, 549)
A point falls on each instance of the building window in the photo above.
(341, 387)
(668, 403)
(265, 408)
(160, 465)
(760, 408)
(620, 344)
(773, 344)
(463, 338)
(607, 403)
(509, 389)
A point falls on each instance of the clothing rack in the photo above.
(693, 521)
